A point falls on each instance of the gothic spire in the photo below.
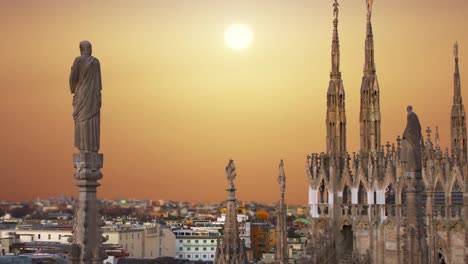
(369, 117)
(336, 114)
(281, 252)
(232, 249)
(458, 120)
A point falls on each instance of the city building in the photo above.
(263, 239)
(139, 241)
(196, 244)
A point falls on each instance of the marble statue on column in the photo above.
(85, 85)
(415, 241)
(411, 143)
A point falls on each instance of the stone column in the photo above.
(87, 236)
(415, 229)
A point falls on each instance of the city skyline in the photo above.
(171, 119)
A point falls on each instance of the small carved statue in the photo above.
(282, 177)
(369, 8)
(335, 9)
(231, 173)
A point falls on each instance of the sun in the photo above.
(238, 36)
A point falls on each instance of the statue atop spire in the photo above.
(231, 173)
(336, 115)
(231, 250)
(455, 50)
(335, 9)
(282, 178)
(281, 252)
(369, 8)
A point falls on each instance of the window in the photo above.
(60, 237)
(180, 241)
(212, 241)
(204, 249)
(181, 248)
(188, 249)
(196, 256)
(204, 256)
(212, 256)
(38, 236)
(181, 256)
(188, 241)
(49, 236)
(196, 249)
(212, 248)
(196, 241)
(204, 241)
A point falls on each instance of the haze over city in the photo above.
(178, 102)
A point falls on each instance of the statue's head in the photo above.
(409, 109)
(86, 48)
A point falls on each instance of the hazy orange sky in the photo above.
(178, 103)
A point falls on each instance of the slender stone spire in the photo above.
(369, 64)
(370, 119)
(281, 252)
(232, 249)
(458, 121)
(336, 114)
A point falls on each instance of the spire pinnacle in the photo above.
(457, 98)
(369, 65)
(335, 72)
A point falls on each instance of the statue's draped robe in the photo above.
(411, 144)
(85, 84)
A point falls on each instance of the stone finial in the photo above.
(369, 8)
(428, 135)
(455, 50)
(437, 146)
(388, 147)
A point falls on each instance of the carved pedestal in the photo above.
(87, 238)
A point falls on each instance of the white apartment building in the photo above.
(140, 241)
(196, 244)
